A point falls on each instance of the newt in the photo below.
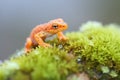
(43, 31)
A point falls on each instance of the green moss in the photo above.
(94, 49)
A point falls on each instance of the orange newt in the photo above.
(42, 31)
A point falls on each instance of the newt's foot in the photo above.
(63, 38)
(46, 45)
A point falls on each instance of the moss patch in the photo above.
(95, 49)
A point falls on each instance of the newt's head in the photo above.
(56, 26)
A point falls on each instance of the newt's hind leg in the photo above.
(39, 39)
(28, 45)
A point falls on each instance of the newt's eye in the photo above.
(55, 26)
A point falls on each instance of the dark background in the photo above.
(18, 17)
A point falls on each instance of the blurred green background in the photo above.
(18, 17)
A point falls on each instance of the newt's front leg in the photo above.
(61, 36)
(39, 39)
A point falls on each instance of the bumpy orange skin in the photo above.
(42, 31)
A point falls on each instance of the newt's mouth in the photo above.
(64, 26)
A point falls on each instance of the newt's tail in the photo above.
(28, 45)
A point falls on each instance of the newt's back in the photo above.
(36, 30)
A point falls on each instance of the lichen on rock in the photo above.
(93, 50)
